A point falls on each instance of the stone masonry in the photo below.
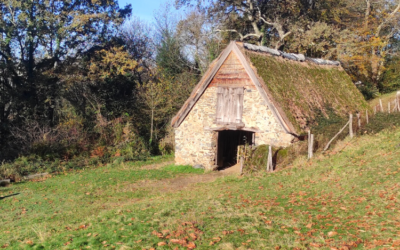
(195, 139)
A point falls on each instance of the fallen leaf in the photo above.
(396, 243)
(309, 225)
(217, 239)
(193, 236)
(29, 242)
(191, 245)
(331, 234)
(315, 244)
(161, 244)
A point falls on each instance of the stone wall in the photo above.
(195, 140)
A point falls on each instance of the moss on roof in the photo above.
(304, 90)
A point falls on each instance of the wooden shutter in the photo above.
(239, 104)
(220, 103)
(229, 105)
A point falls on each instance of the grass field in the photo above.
(385, 99)
(347, 199)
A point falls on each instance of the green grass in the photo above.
(385, 99)
(349, 197)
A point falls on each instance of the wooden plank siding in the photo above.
(232, 74)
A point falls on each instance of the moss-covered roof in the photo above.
(304, 90)
(297, 91)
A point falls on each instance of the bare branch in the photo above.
(235, 31)
(388, 19)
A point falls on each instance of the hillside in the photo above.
(347, 199)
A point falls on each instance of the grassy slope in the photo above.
(349, 198)
(302, 89)
(385, 99)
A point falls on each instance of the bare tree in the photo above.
(253, 19)
(197, 35)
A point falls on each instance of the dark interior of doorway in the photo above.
(228, 142)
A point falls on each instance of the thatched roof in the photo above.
(296, 88)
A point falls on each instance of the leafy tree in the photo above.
(391, 77)
(39, 39)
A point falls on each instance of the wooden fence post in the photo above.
(270, 166)
(310, 146)
(358, 120)
(389, 107)
(380, 105)
(398, 101)
(351, 125)
(375, 110)
(366, 116)
(241, 164)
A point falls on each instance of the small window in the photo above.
(229, 105)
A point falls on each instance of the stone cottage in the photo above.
(257, 95)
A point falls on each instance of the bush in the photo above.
(257, 158)
(59, 150)
(167, 144)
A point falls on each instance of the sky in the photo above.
(144, 9)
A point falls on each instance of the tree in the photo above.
(138, 37)
(38, 40)
(200, 42)
(270, 20)
(170, 57)
(373, 26)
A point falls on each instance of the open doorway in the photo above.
(228, 142)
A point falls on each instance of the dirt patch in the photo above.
(181, 182)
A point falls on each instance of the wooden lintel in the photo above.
(222, 128)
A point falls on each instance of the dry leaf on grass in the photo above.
(331, 234)
(191, 245)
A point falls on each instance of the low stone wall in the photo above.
(196, 142)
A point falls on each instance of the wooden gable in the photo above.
(232, 74)
(231, 68)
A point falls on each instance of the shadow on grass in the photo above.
(8, 196)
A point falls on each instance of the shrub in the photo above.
(257, 158)
(167, 144)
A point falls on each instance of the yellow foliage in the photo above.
(114, 62)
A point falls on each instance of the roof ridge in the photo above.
(289, 56)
